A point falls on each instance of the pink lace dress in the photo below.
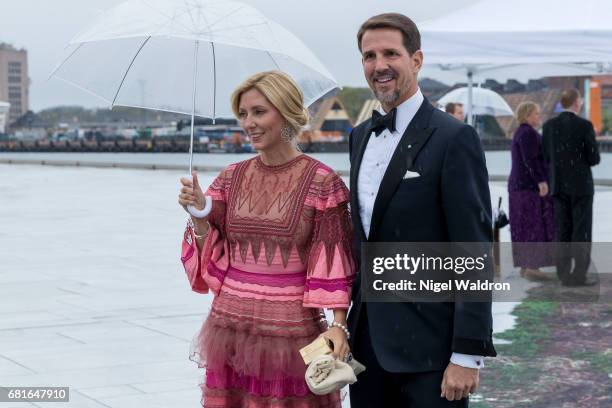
(277, 253)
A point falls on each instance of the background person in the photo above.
(571, 149)
(531, 208)
(455, 109)
(417, 354)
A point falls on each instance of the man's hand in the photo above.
(459, 382)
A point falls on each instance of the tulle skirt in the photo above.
(249, 348)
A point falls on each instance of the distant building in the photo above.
(432, 89)
(546, 92)
(4, 109)
(329, 122)
(366, 110)
(514, 86)
(14, 81)
(606, 91)
(493, 85)
(535, 85)
(546, 98)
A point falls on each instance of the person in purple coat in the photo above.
(531, 208)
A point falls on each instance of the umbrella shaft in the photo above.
(195, 75)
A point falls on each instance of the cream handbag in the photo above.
(325, 374)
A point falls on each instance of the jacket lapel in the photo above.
(362, 140)
(414, 138)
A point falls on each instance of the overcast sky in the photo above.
(328, 27)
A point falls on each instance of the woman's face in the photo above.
(260, 120)
(534, 117)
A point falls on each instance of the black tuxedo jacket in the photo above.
(449, 202)
(569, 146)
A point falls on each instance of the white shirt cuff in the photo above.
(467, 360)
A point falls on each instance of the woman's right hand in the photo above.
(191, 193)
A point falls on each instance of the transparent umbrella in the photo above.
(484, 101)
(185, 56)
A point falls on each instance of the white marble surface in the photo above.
(92, 292)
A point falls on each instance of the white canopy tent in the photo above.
(519, 39)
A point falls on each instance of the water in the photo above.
(498, 163)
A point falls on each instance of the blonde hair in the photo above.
(282, 92)
(524, 110)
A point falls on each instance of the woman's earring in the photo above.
(287, 133)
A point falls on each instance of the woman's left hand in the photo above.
(340, 342)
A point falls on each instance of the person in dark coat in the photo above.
(531, 207)
(417, 175)
(571, 149)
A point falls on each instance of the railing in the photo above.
(170, 145)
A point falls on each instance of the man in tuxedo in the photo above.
(569, 146)
(417, 354)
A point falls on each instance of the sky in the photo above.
(328, 27)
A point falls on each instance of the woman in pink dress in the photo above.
(275, 251)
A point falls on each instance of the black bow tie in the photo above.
(380, 122)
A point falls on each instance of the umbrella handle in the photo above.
(207, 205)
(203, 212)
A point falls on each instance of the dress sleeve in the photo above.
(331, 265)
(206, 269)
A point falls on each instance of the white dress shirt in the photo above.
(378, 154)
(376, 158)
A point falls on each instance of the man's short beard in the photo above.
(391, 98)
(388, 98)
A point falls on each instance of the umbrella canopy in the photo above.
(484, 101)
(523, 38)
(142, 54)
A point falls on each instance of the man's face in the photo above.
(459, 113)
(390, 70)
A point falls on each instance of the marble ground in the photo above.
(92, 292)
